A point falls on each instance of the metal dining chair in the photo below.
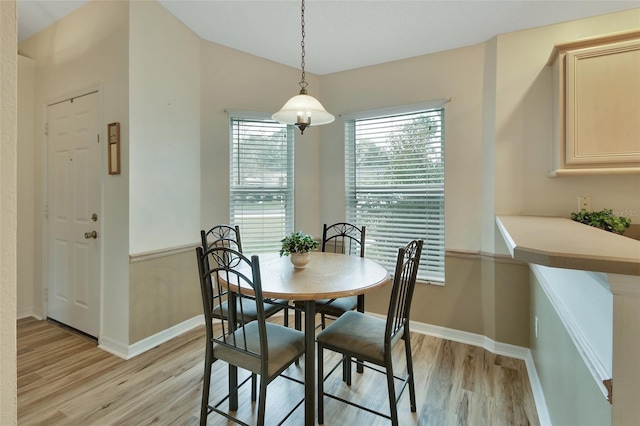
(229, 236)
(344, 238)
(258, 346)
(370, 339)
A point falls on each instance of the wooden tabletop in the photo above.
(327, 276)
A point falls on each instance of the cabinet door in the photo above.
(603, 104)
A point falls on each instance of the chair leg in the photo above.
(262, 402)
(297, 315)
(204, 405)
(392, 390)
(298, 319)
(346, 370)
(254, 387)
(233, 387)
(323, 321)
(412, 388)
(320, 386)
(360, 308)
(286, 317)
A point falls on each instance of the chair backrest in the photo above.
(231, 266)
(404, 282)
(222, 236)
(343, 238)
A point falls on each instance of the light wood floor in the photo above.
(64, 379)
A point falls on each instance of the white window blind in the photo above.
(395, 185)
(261, 182)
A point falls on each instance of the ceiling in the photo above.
(347, 34)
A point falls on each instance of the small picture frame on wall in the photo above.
(113, 147)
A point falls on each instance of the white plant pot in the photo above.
(299, 260)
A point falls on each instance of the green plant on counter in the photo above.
(604, 219)
(298, 242)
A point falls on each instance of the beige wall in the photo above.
(498, 129)
(229, 80)
(27, 299)
(498, 156)
(455, 306)
(488, 209)
(511, 302)
(457, 74)
(570, 391)
(232, 80)
(86, 50)
(483, 295)
(8, 208)
(480, 295)
(164, 134)
(225, 79)
(164, 184)
(524, 124)
(165, 291)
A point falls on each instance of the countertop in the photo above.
(563, 243)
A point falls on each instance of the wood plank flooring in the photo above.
(64, 379)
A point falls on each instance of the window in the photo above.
(261, 181)
(395, 184)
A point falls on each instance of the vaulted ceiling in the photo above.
(347, 34)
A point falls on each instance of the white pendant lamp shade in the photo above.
(303, 109)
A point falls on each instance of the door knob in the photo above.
(92, 234)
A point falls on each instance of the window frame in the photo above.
(258, 238)
(432, 269)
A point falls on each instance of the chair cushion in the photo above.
(336, 308)
(249, 308)
(284, 345)
(358, 334)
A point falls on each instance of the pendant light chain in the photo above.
(301, 109)
(303, 83)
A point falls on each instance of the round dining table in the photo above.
(326, 276)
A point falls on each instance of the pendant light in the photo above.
(303, 110)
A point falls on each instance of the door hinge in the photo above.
(46, 128)
(46, 294)
(46, 211)
(98, 135)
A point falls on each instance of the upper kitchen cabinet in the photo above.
(596, 105)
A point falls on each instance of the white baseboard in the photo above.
(114, 347)
(29, 312)
(538, 393)
(128, 352)
(24, 313)
(494, 347)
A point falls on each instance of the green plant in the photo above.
(604, 219)
(298, 242)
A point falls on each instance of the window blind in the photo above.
(261, 182)
(395, 185)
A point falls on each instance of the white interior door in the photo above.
(74, 208)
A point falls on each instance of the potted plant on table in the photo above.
(298, 245)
